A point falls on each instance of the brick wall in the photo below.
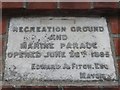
(109, 10)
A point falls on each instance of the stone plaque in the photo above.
(59, 51)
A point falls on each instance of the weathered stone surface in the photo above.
(59, 51)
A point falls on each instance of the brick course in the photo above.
(3, 23)
(41, 5)
(75, 5)
(114, 24)
(117, 46)
(11, 5)
(106, 5)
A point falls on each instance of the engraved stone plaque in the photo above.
(59, 51)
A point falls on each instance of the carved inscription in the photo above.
(59, 48)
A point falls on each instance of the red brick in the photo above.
(114, 24)
(14, 5)
(119, 25)
(3, 24)
(8, 88)
(44, 88)
(111, 88)
(106, 5)
(117, 45)
(38, 88)
(119, 66)
(0, 5)
(41, 5)
(81, 88)
(1, 45)
(75, 5)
